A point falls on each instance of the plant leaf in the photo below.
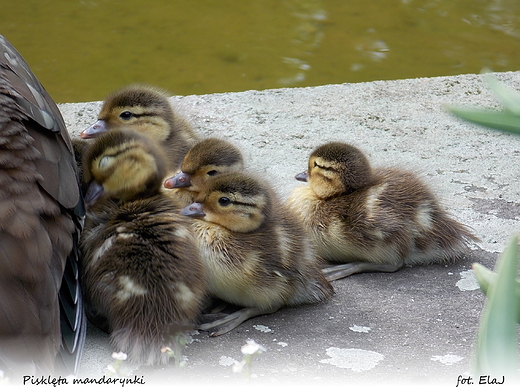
(497, 346)
(486, 278)
(501, 120)
(509, 97)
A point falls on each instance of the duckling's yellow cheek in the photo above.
(325, 188)
(158, 132)
(130, 175)
(113, 122)
(245, 222)
(210, 216)
(229, 220)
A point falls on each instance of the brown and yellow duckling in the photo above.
(372, 219)
(255, 251)
(141, 268)
(207, 158)
(146, 110)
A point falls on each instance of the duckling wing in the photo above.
(41, 217)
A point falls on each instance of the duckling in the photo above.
(372, 219)
(145, 109)
(205, 159)
(141, 268)
(255, 251)
(42, 321)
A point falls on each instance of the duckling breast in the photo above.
(304, 203)
(238, 267)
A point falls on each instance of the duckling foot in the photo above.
(343, 270)
(207, 318)
(231, 321)
(218, 307)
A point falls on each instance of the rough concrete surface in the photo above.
(414, 327)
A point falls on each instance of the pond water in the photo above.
(82, 50)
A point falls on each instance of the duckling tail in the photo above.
(455, 241)
(142, 348)
(446, 243)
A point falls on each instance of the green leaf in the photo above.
(497, 346)
(486, 278)
(509, 97)
(500, 120)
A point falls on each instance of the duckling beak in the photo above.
(179, 180)
(304, 176)
(96, 129)
(94, 192)
(194, 210)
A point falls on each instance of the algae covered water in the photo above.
(82, 50)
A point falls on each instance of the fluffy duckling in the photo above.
(145, 109)
(42, 322)
(205, 159)
(255, 251)
(372, 219)
(141, 267)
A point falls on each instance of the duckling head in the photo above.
(234, 200)
(207, 158)
(336, 168)
(123, 165)
(141, 108)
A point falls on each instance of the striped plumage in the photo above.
(372, 219)
(205, 159)
(141, 268)
(255, 251)
(146, 110)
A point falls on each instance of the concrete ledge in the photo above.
(422, 322)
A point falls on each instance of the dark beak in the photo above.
(94, 192)
(194, 210)
(304, 176)
(95, 130)
(179, 180)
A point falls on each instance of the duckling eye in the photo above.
(212, 172)
(224, 201)
(126, 115)
(325, 168)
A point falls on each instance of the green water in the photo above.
(82, 50)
